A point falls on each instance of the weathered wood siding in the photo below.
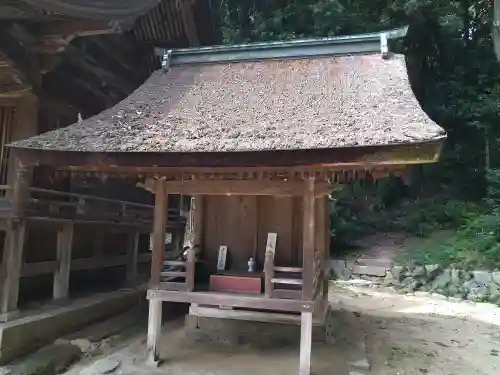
(242, 223)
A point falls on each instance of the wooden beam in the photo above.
(248, 315)
(154, 330)
(97, 262)
(61, 275)
(308, 240)
(159, 230)
(71, 28)
(133, 253)
(305, 343)
(38, 268)
(239, 187)
(258, 302)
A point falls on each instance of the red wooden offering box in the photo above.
(236, 282)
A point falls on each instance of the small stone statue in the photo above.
(251, 265)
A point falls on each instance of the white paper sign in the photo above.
(271, 242)
(221, 259)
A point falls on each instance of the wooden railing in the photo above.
(43, 203)
(180, 270)
(275, 276)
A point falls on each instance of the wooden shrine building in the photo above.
(256, 134)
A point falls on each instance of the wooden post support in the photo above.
(305, 343)
(14, 243)
(12, 264)
(132, 253)
(327, 252)
(159, 230)
(61, 275)
(198, 221)
(268, 273)
(154, 330)
(320, 243)
(308, 241)
(190, 270)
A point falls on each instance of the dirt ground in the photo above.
(423, 334)
(398, 335)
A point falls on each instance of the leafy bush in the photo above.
(477, 242)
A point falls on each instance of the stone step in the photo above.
(377, 262)
(369, 270)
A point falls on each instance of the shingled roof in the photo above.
(318, 102)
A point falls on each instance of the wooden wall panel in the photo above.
(276, 215)
(242, 223)
(230, 221)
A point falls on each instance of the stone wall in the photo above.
(473, 285)
(476, 285)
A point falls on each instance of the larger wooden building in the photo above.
(61, 60)
(257, 134)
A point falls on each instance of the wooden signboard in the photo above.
(271, 242)
(221, 259)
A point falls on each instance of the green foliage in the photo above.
(455, 76)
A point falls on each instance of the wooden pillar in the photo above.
(155, 305)
(61, 275)
(320, 244)
(305, 343)
(198, 221)
(326, 280)
(154, 330)
(14, 243)
(159, 231)
(308, 238)
(132, 253)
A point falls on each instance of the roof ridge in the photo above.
(290, 49)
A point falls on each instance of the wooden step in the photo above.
(288, 269)
(173, 274)
(286, 281)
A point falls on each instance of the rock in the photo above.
(470, 285)
(455, 276)
(407, 281)
(481, 277)
(432, 270)
(362, 364)
(84, 345)
(465, 275)
(413, 286)
(389, 280)
(453, 290)
(442, 280)
(101, 367)
(478, 294)
(396, 272)
(5, 370)
(494, 297)
(53, 359)
(350, 263)
(339, 269)
(495, 277)
(418, 272)
(369, 270)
